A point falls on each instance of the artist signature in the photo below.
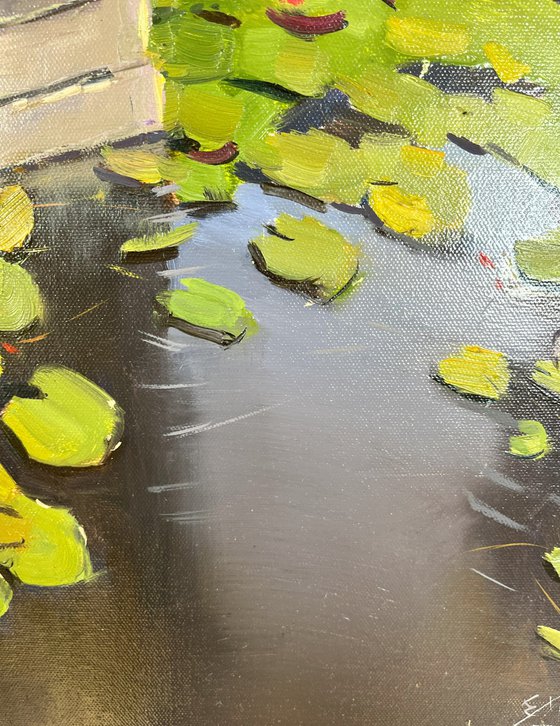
(540, 711)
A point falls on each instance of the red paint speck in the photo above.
(499, 284)
(9, 348)
(485, 261)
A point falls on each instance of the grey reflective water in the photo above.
(284, 536)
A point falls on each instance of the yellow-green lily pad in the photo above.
(551, 636)
(546, 374)
(307, 256)
(20, 298)
(161, 241)
(16, 217)
(5, 596)
(532, 443)
(73, 423)
(554, 558)
(208, 311)
(539, 258)
(40, 545)
(476, 371)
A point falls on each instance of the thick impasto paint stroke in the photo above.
(73, 422)
(208, 311)
(161, 241)
(531, 442)
(21, 303)
(306, 255)
(476, 371)
(16, 218)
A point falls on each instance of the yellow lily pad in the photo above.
(508, 68)
(74, 423)
(5, 596)
(476, 371)
(551, 636)
(41, 545)
(16, 217)
(404, 213)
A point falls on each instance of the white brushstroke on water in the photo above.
(199, 515)
(169, 386)
(180, 271)
(170, 218)
(501, 480)
(491, 579)
(190, 430)
(168, 348)
(171, 343)
(162, 191)
(479, 506)
(172, 487)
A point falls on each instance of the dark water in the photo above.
(304, 560)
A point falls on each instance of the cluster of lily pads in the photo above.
(552, 635)
(485, 375)
(236, 75)
(240, 77)
(303, 255)
(58, 418)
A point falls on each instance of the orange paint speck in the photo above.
(9, 348)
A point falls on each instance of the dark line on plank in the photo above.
(35, 15)
(85, 79)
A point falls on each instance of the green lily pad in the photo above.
(74, 422)
(199, 182)
(533, 441)
(476, 372)
(208, 311)
(41, 545)
(20, 298)
(551, 635)
(539, 258)
(554, 558)
(307, 256)
(150, 243)
(546, 374)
